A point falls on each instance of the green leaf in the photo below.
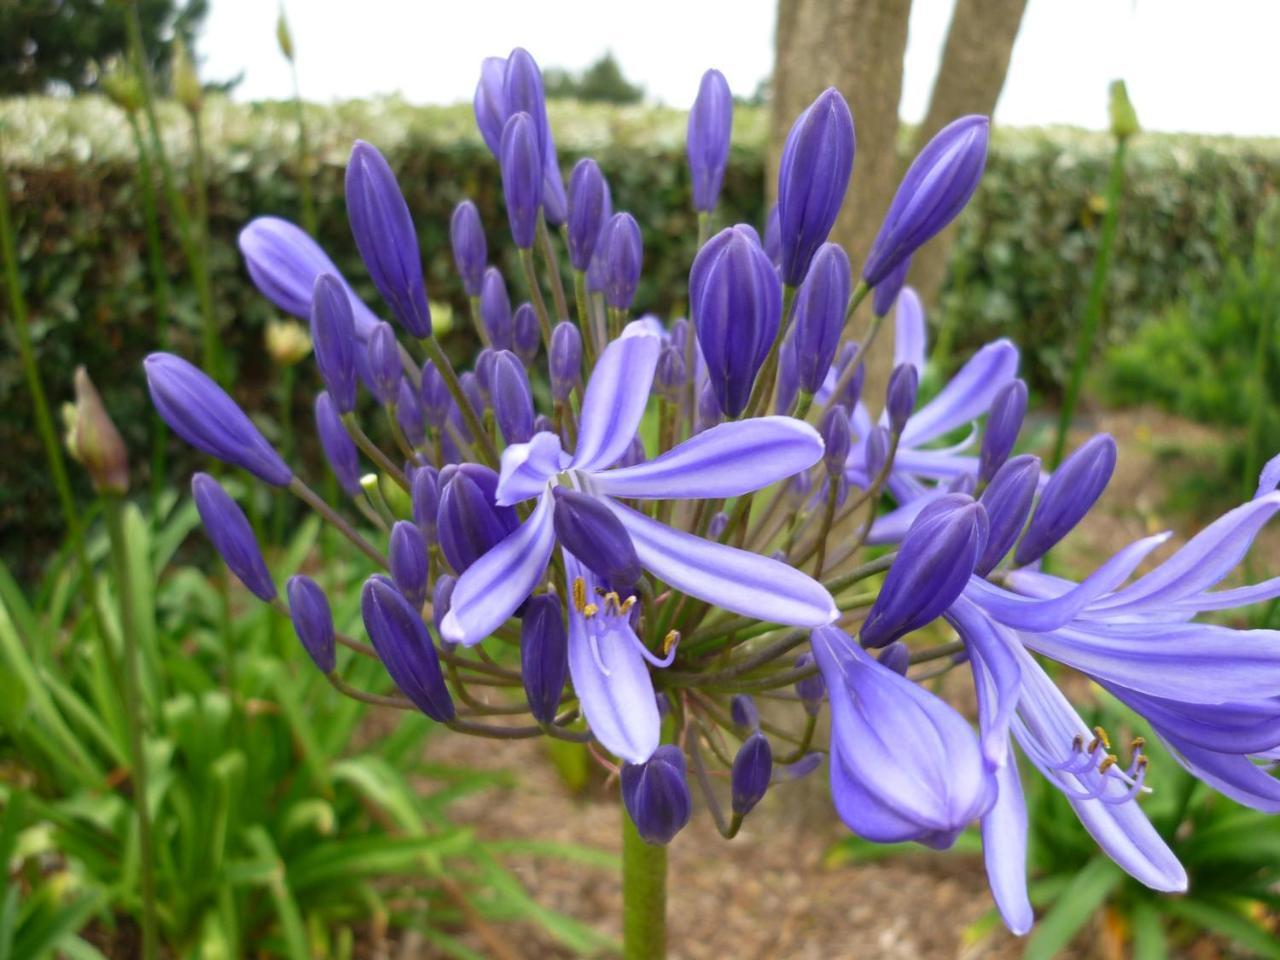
(1221, 919)
(48, 930)
(1148, 933)
(295, 931)
(1073, 909)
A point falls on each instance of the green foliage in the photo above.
(279, 823)
(602, 82)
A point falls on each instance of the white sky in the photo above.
(1207, 66)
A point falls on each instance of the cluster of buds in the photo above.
(641, 523)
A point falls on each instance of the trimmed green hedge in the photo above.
(1020, 265)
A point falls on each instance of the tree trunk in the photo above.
(970, 78)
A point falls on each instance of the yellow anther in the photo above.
(579, 594)
(590, 610)
(1110, 761)
(1138, 743)
(612, 603)
(670, 640)
(1142, 760)
(1102, 737)
(1077, 743)
(627, 604)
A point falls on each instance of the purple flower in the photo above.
(525, 335)
(587, 528)
(383, 355)
(819, 311)
(470, 252)
(813, 174)
(495, 309)
(900, 399)
(736, 301)
(230, 533)
(752, 771)
(334, 339)
(470, 525)
(1070, 493)
(312, 620)
(339, 449)
(522, 91)
(409, 415)
(544, 656)
(512, 398)
(1007, 500)
(623, 253)
(938, 184)
(656, 795)
(707, 145)
(1008, 407)
(201, 413)
(490, 102)
(588, 197)
(834, 428)
(521, 160)
(404, 646)
(424, 498)
(565, 361)
(407, 557)
(434, 394)
(383, 231)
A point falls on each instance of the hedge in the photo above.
(1019, 268)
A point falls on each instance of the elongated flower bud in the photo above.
(470, 252)
(837, 438)
(656, 794)
(312, 620)
(555, 202)
(521, 162)
(819, 312)
(384, 234)
(852, 393)
(522, 91)
(424, 496)
(512, 398)
(201, 413)
(490, 103)
(634, 454)
(333, 335)
(937, 186)
(773, 236)
(1070, 493)
(404, 646)
(566, 360)
(669, 379)
(752, 770)
(708, 413)
(441, 600)
(736, 302)
(1007, 500)
(229, 532)
(95, 442)
(435, 396)
(1008, 408)
(409, 415)
(544, 656)
(743, 711)
(339, 449)
(588, 197)
(813, 175)
(812, 690)
(900, 398)
(897, 657)
(623, 254)
(407, 558)
(484, 374)
(592, 532)
(383, 354)
(886, 291)
(470, 524)
(877, 452)
(788, 387)
(526, 338)
(933, 565)
(495, 309)
(707, 145)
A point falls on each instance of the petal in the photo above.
(909, 333)
(725, 461)
(1236, 727)
(1004, 848)
(968, 395)
(733, 579)
(615, 400)
(490, 590)
(1234, 775)
(527, 467)
(997, 678)
(893, 526)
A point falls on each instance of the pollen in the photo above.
(590, 610)
(579, 594)
(1110, 761)
(1101, 734)
(669, 641)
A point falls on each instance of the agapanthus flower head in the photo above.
(520, 158)
(707, 145)
(201, 413)
(751, 773)
(623, 253)
(404, 646)
(512, 397)
(1070, 493)
(544, 656)
(736, 302)
(384, 233)
(1007, 500)
(470, 252)
(383, 356)
(588, 199)
(565, 361)
(228, 530)
(312, 620)
(819, 313)
(407, 559)
(333, 336)
(813, 175)
(1003, 424)
(936, 188)
(656, 795)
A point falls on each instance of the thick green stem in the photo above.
(133, 706)
(644, 896)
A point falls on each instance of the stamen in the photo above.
(669, 641)
(626, 606)
(579, 594)
(590, 610)
(1110, 761)
(1101, 734)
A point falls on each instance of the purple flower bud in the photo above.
(877, 452)
(526, 337)
(788, 387)
(773, 237)
(565, 361)
(555, 202)
(522, 91)
(495, 309)
(837, 438)
(679, 337)
(1070, 493)
(470, 524)
(589, 530)
(933, 565)
(819, 312)
(717, 525)
(1008, 407)
(472, 390)
(812, 690)
(813, 174)
(743, 711)
(409, 415)
(623, 253)
(424, 495)
(669, 379)
(736, 302)
(1007, 500)
(708, 408)
(470, 252)
(333, 336)
(596, 270)
(512, 399)
(312, 620)
(634, 454)
(544, 656)
(441, 600)
(407, 558)
(801, 768)
(201, 413)
(900, 398)
(339, 448)
(710, 124)
(435, 396)
(542, 424)
(752, 770)
(886, 291)
(521, 163)
(484, 374)
(588, 196)
(490, 102)
(962, 483)
(383, 352)
(800, 489)
(230, 533)
(938, 184)
(852, 393)
(404, 646)
(656, 795)
(384, 234)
